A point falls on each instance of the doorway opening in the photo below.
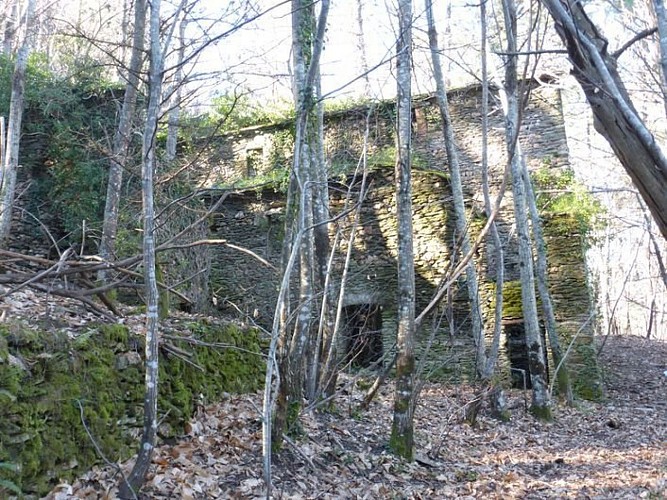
(517, 353)
(362, 334)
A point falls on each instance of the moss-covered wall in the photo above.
(55, 390)
(253, 219)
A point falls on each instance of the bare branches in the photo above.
(639, 36)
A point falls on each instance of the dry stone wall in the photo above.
(253, 218)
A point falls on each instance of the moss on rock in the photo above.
(97, 378)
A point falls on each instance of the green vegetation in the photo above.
(565, 204)
(67, 124)
(97, 378)
(241, 110)
(588, 380)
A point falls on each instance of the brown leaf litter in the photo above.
(610, 450)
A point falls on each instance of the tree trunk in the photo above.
(472, 283)
(497, 396)
(540, 402)
(122, 137)
(175, 109)
(16, 104)
(402, 431)
(563, 374)
(11, 14)
(614, 114)
(308, 40)
(129, 487)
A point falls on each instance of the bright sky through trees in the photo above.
(258, 55)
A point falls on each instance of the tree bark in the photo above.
(540, 401)
(614, 114)
(16, 104)
(129, 487)
(11, 13)
(402, 431)
(472, 283)
(175, 109)
(486, 363)
(308, 40)
(122, 137)
(563, 374)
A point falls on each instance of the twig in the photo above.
(55, 267)
(99, 451)
(296, 448)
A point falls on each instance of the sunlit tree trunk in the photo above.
(402, 431)
(541, 272)
(136, 478)
(11, 13)
(472, 283)
(540, 400)
(498, 400)
(308, 39)
(122, 138)
(16, 104)
(615, 117)
(175, 109)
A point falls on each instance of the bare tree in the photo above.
(615, 117)
(10, 14)
(484, 365)
(122, 137)
(536, 359)
(402, 431)
(11, 160)
(308, 39)
(129, 486)
(497, 394)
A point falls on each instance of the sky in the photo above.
(259, 54)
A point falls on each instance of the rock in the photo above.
(127, 359)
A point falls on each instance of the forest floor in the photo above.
(613, 449)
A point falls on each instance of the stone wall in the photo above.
(253, 218)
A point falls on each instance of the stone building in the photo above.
(252, 164)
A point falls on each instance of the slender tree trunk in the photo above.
(122, 137)
(308, 40)
(402, 431)
(486, 370)
(541, 271)
(614, 114)
(175, 110)
(136, 478)
(16, 104)
(540, 402)
(11, 15)
(472, 283)
(661, 18)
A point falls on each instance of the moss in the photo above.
(43, 411)
(588, 378)
(402, 445)
(114, 333)
(541, 412)
(567, 208)
(512, 302)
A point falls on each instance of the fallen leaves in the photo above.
(615, 449)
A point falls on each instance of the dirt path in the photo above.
(615, 449)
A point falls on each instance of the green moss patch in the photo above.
(50, 385)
